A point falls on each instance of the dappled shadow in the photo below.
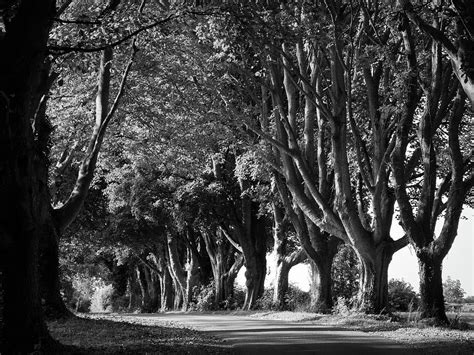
(99, 336)
(257, 336)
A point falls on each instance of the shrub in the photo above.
(82, 290)
(401, 296)
(469, 299)
(266, 301)
(101, 300)
(236, 301)
(345, 273)
(297, 299)
(204, 298)
(342, 307)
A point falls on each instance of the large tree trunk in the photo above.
(225, 265)
(252, 239)
(321, 282)
(283, 267)
(24, 329)
(50, 285)
(192, 277)
(64, 215)
(431, 289)
(321, 297)
(166, 288)
(145, 300)
(23, 48)
(256, 268)
(373, 279)
(153, 289)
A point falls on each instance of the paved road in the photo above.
(254, 336)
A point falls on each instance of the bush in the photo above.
(101, 300)
(345, 273)
(401, 296)
(297, 299)
(469, 299)
(266, 301)
(204, 298)
(236, 301)
(342, 307)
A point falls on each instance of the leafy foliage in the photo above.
(401, 295)
(345, 273)
(453, 292)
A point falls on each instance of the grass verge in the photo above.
(93, 335)
(428, 339)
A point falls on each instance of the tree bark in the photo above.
(177, 272)
(442, 101)
(166, 288)
(284, 262)
(224, 263)
(431, 289)
(50, 285)
(284, 265)
(321, 282)
(252, 238)
(61, 217)
(20, 186)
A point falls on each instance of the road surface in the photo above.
(247, 335)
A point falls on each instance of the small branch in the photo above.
(64, 49)
(231, 240)
(77, 22)
(400, 243)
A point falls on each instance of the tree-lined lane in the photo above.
(255, 336)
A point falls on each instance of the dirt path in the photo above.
(254, 336)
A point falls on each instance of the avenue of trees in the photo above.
(160, 146)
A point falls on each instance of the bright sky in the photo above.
(458, 264)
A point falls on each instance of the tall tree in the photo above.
(456, 36)
(443, 187)
(22, 190)
(313, 66)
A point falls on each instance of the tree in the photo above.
(22, 190)
(441, 188)
(312, 60)
(452, 290)
(456, 37)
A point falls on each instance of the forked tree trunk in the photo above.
(256, 268)
(431, 289)
(63, 216)
(153, 289)
(280, 286)
(166, 291)
(373, 279)
(24, 329)
(225, 265)
(252, 239)
(50, 285)
(283, 267)
(23, 52)
(321, 284)
(192, 278)
(144, 295)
